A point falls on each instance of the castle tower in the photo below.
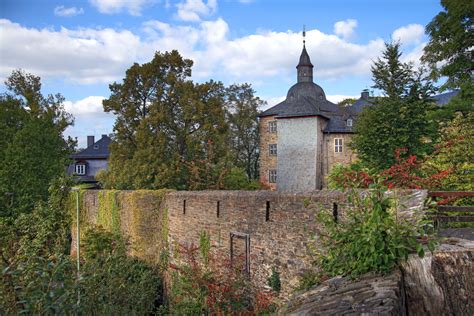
(305, 67)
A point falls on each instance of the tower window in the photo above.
(272, 126)
(272, 176)
(272, 149)
(338, 145)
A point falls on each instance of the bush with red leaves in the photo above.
(214, 286)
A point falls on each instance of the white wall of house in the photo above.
(297, 154)
(94, 165)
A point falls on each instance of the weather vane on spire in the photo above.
(304, 34)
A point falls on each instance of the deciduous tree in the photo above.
(242, 110)
(165, 125)
(33, 150)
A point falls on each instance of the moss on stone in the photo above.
(108, 214)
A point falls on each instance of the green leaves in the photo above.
(32, 149)
(398, 120)
(171, 132)
(449, 51)
(370, 237)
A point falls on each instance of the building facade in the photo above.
(91, 160)
(305, 135)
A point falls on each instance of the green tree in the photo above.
(449, 51)
(33, 150)
(347, 102)
(168, 130)
(455, 153)
(399, 120)
(449, 54)
(242, 108)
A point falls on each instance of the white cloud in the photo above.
(81, 55)
(345, 28)
(67, 12)
(89, 119)
(336, 98)
(133, 7)
(192, 10)
(88, 55)
(91, 105)
(412, 33)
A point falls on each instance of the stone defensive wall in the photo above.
(265, 229)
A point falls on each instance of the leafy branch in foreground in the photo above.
(372, 236)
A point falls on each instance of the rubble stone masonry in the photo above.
(279, 227)
(267, 162)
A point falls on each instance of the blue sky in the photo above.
(79, 47)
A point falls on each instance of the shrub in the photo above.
(274, 280)
(372, 237)
(39, 277)
(213, 288)
(113, 283)
(353, 176)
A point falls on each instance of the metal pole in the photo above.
(78, 248)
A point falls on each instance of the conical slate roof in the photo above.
(304, 59)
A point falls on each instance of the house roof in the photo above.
(98, 150)
(444, 98)
(306, 98)
(304, 59)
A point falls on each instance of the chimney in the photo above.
(104, 135)
(364, 95)
(90, 141)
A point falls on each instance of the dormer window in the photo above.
(80, 169)
(96, 146)
(349, 122)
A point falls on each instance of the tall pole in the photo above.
(78, 248)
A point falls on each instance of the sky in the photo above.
(78, 48)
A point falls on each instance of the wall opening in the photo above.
(335, 212)
(218, 211)
(240, 251)
(184, 207)
(267, 212)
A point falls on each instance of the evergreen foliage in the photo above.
(400, 118)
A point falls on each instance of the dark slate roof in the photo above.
(304, 59)
(308, 99)
(444, 98)
(338, 124)
(440, 99)
(303, 99)
(358, 105)
(100, 149)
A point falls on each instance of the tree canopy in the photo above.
(171, 132)
(33, 150)
(399, 119)
(242, 108)
(449, 54)
(449, 50)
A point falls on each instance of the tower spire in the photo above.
(305, 68)
(304, 34)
